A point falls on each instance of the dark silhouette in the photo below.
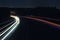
(52, 12)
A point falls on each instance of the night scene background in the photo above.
(30, 29)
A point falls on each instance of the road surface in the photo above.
(30, 26)
(11, 28)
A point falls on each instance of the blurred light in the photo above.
(13, 26)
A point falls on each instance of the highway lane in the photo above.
(11, 28)
(6, 24)
(32, 29)
(3, 29)
(38, 20)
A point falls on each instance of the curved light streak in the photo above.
(43, 18)
(44, 21)
(12, 27)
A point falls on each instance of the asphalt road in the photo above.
(6, 23)
(29, 29)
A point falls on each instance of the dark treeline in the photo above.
(39, 11)
(4, 12)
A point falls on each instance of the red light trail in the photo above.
(44, 21)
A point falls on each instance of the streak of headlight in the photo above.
(5, 22)
(6, 25)
(41, 20)
(13, 25)
(7, 29)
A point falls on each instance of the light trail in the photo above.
(44, 21)
(6, 25)
(5, 22)
(12, 27)
(43, 18)
(50, 18)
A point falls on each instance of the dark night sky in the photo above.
(30, 3)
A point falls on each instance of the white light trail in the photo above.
(6, 26)
(12, 27)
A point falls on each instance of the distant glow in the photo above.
(13, 26)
